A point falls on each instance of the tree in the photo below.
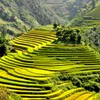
(4, 95)
(73, 38)
(93, 4)
(55, 26)
(78, 39)
(4, 42)
(3, 48)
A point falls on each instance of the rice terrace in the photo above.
(49, 59)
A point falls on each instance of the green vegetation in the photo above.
(7, 95)
(4, 43)
(53, 62)
(52, 72)
(68, 35)
(95, 13)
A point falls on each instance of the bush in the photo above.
(68, 36)
(14, 96)
(4, 95)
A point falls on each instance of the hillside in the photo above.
(55, 71)
(65, 9)
(49, 50)
(95, 13)
(17, 16)
(20, 16)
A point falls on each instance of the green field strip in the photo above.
(50, 95)
(38, 34)
(72, 53)
(30, 49)
(75, 95)
(12, 60)
(15, 56)
(30, 92)
(64, 84)
(15, 63)
(9, 64)
(85, 67)
(41, 32)
(13, 77)
(23, 71)
(7, 81)
(95, 12)
(31, 78)
(93, 97)
(26, 44)
(85, 72)
(48, 65)
(34, 98)
(5, 75)
(28, 77)
(40, 71)
(14, 87)
(32, 41)
(36, 38)
(22, 54)
(84, 96)
(59, 68)
(67, 53)
(67, 93)
(19, 45)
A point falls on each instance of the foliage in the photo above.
(7, 95)
(4, 95)
(14, 96)
(89, 82)
(4, 42)
(68, 35)
(92, 37)
(97, 97)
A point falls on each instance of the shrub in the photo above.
(4, 95)
(14, 96)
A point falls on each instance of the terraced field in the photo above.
(34, 41)
(34, 75)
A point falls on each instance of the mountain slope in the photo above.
(18, 16)
(65, 9)
(95, 13)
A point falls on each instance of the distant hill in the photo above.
(65, 9)
(19, 16)
(88, 15)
